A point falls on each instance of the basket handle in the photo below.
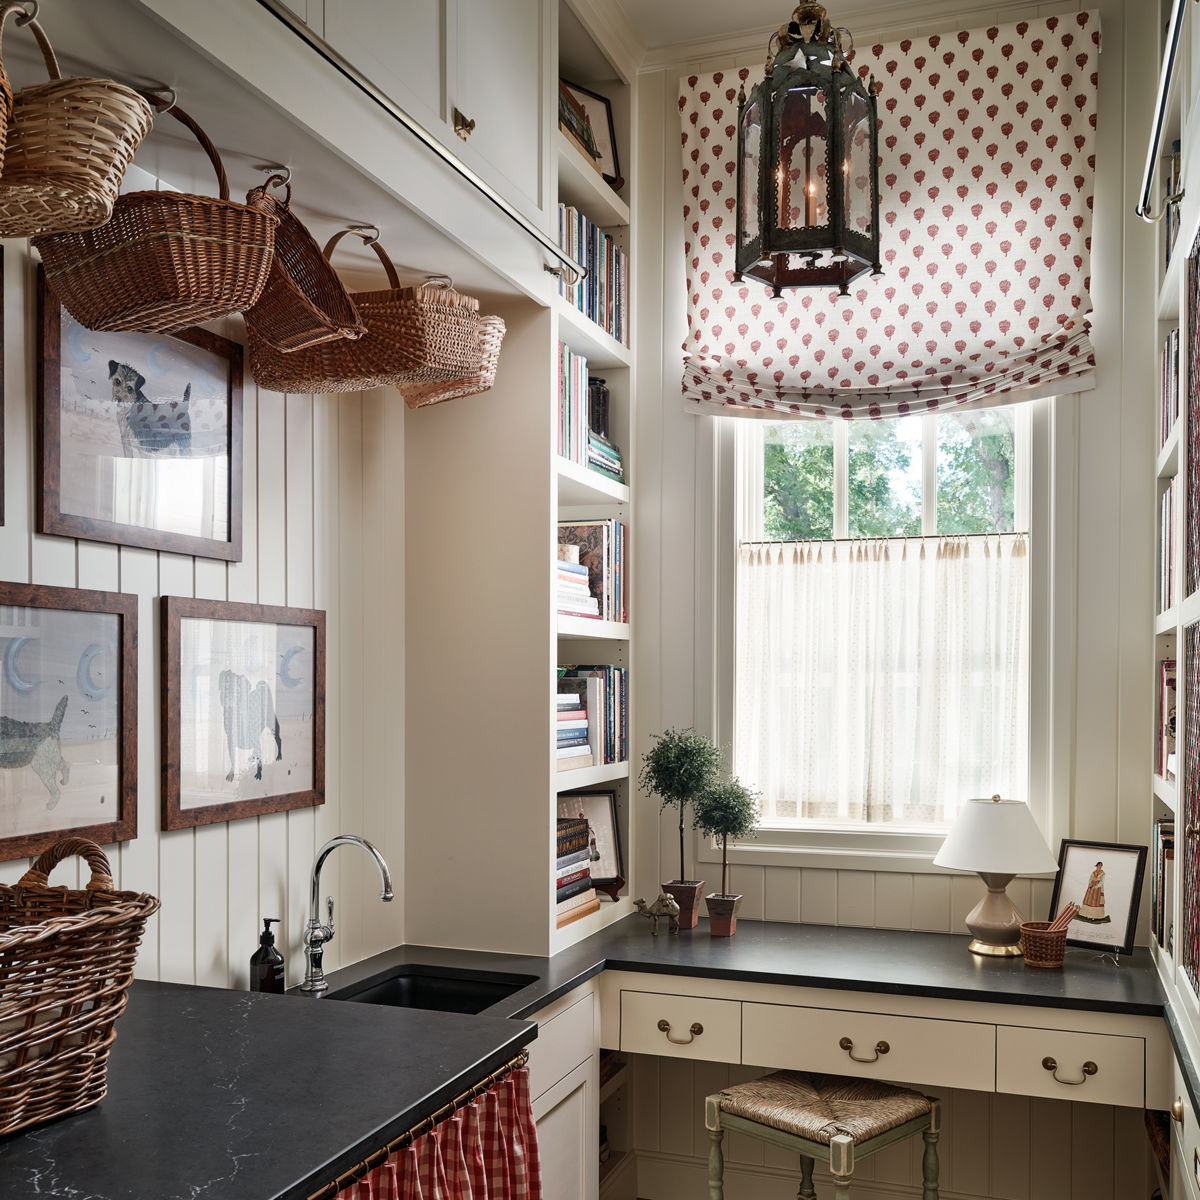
(275, 180)
(38, 32)
(200, 136)
(369, 239)
(39, 873)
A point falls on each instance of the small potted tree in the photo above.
(726, 810)
(680, 766)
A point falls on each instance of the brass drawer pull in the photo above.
(1192, 831)
(665, 1027)
(1089, 1068)
(881, 1048)
(462, 126)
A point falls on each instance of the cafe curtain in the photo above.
(486, 1150)
(986, 178)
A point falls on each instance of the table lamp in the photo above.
(998, 839)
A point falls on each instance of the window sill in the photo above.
(899, 856)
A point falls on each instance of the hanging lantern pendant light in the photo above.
(808, 163)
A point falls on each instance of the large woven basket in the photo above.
(69, 143)
(66, 963)
(491, 334)
(414, 335)
(166, 260)
(303, 303)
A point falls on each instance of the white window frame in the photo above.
(1052, 522)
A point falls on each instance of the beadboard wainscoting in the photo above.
(322, 527)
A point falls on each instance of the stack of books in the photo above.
(605, 458)
(1164, 763)
(603, 690)
(572, 746)
(1168, 405)
(574, 896)
(573, 426)
(573, 593)
(603, 295)
(602, 550)
(1162, 888)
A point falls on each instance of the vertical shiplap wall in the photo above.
(322, 528)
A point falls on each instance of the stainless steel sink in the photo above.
(445, 989)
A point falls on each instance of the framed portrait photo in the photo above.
(140, 436)
(243, 710)
(68, 717)
(599, 809)
(1105, 880)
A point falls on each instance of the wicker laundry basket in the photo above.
(66, 963)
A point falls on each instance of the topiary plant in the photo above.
(726, 810)
(680, 766)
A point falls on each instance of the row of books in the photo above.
(1164, 759)
(603, 691)
(1162, 884)
(1167, 583)
(604, 457)
(573, 591)
(574, 896)
(1174, 187)
(602, 547)
(573, 746)
(603, 295)
(1168, 401)
(574, 428)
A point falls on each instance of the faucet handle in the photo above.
(329, 910)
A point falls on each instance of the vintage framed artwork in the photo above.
(600, 811)
(141, 436)
(243, 710)
(588, 117)
(1105, 880)
(68, 717)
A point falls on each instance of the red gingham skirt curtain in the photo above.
(485, 1151)
(986, 177)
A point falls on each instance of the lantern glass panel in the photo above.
(801, 174)
(751, 165)
(857, 166)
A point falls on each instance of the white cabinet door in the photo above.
(567, 1127)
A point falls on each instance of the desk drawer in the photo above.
(699, 1027)
(918, 1050)
(1102, 1068)
(563, 1042)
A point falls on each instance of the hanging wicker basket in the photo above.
(69, 142)
(304, 302)
(491, 335)
(66, 963)
(166, 260)
(414, 335)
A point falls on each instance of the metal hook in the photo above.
(442, 281)
(164, 104)
(277, 171)
(361, 231)
(32, 8)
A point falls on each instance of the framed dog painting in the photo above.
(68, 717)
(141, 436)
(243, 710)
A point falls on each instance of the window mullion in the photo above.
(841, 479)
(928, 475)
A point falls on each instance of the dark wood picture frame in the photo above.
(1125, 921)
(176, 609)
(594, 106)
(51, 518)
(604, 821)
(123, 826)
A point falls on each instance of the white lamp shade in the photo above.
(996, 837)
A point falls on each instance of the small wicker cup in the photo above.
(1043, 947)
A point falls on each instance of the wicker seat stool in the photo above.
(829, 1117)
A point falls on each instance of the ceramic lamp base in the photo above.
(995, 922)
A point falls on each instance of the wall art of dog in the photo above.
(246, 712)
(149, 428)
(37, 744)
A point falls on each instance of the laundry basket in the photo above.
(66, 963)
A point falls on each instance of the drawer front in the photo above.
(697, 1026)
(1102, 1068)
(562, 1043)
(904, 1049)
(1185, 1135)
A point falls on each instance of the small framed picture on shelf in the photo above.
(243, 710)
(587, 118)
(599, 809)
(1105, 880)
(140, 436)
(68, 734)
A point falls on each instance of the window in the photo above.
(881, 669)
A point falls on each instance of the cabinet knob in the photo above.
(1051, 1065)
(881, 1048)
(1177, 1110)
(463, 126)
(696, 1030)
(1192, 831)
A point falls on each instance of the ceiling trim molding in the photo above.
(610, 27)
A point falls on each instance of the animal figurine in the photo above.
(665, 906)
(37, 744)
(246, 712)
(149, 428)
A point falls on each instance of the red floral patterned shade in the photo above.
(986, 176)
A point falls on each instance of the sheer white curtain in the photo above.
(882, 681)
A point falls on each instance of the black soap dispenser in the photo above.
(266, 964)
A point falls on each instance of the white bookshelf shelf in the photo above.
(578, 485)
(1165, 622)
(1168, 293)
(1167, 463)
(583, 187)
(585, 337)
(592, 630)
(616, 1080)
(586, 777)
(1164, 790)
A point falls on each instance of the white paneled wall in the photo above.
(322, 528)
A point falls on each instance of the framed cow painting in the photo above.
(141, 436)
(243, 710)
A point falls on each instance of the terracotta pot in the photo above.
(687, 895)
(722, 914)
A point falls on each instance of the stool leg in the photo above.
(716, 1165)
(929, 1165)
(806, 1191)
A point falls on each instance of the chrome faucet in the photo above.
(316, 934)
